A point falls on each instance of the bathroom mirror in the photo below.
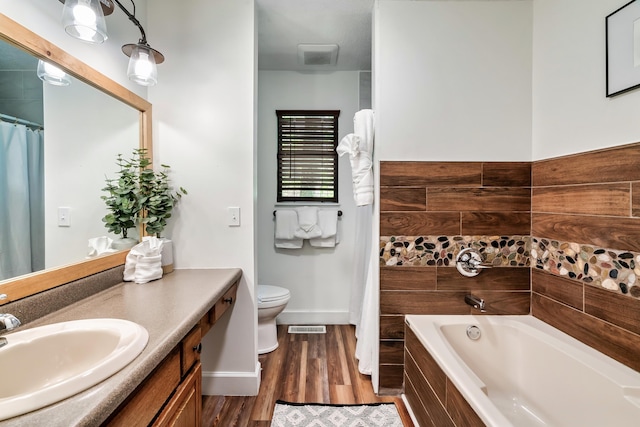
(120, 103)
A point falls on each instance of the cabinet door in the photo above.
(143, 405)
(185, 408)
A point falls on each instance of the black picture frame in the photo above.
(622, 33)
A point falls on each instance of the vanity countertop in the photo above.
(168, 308)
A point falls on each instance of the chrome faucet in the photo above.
(8, 322)
(470, 262)
(475, 302)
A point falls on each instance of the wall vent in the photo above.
(313, 329)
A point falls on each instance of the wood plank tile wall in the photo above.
(433, 199)
(591, 201)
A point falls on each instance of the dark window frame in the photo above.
(307, 140)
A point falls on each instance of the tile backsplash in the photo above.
(429, 211)
(563, 235)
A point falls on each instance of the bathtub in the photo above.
(522, 372)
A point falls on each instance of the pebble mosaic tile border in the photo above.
(608, 268)
(441, 250)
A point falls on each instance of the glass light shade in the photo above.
(51, 74)
(142, 66)
(84, 20)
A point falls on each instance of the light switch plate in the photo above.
(64, 217)
(233, 217)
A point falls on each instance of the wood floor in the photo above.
(310, 368)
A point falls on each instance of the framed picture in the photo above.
(623, 49)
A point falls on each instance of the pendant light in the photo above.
(142, 63)
(84, 20)
(51, 74)
(142, 57)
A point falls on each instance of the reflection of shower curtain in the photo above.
(21, 200)
(363, 309)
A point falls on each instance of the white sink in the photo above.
(44, 365)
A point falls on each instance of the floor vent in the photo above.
(315, 329)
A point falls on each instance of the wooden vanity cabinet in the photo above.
(172, 394)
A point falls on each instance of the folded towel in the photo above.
(328, 222)
(286, 223)
(144, 261)
(148, 268)
(289, 243)
(307, 223)
(285, 228)
(100, 245)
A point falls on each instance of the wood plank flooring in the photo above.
(310, 368)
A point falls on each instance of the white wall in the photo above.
(203, 110)
(318, 278)
(453, 80)
(570, 110)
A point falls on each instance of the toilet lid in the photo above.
(268, 293)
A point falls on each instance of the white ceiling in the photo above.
(283, 24)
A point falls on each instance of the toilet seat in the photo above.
(271, 296)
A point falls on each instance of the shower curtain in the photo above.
(363, 309)
(21, 200)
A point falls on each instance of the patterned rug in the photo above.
(288, 414)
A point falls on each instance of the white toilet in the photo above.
(271, 301)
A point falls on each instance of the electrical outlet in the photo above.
(234, 217)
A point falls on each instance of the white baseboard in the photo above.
(231, 383)
(313, 318)
(410, 410)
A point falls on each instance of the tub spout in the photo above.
(475, 302)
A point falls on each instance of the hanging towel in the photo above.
(285, 227)
(328, 223)
(359, 146)
(307, 223)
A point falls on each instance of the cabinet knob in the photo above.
(228, 300)
(198, 348)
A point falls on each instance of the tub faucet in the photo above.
(475, 302)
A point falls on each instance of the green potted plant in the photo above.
(157, 199)
(122, 202)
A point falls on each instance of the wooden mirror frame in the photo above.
(21, 37)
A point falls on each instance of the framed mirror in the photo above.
(116, 101)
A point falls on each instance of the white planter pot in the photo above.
(167, 255)
(124, 243)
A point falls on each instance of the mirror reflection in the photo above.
(57, 145)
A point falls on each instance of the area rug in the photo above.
(288, 414)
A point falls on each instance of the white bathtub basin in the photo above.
(44, 365)
(522, 372)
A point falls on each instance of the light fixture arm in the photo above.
(132, 18)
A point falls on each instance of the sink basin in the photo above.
(44, 365)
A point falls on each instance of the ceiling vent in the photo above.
(317, 54)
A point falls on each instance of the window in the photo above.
(307, 158)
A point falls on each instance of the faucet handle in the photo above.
(469, 262)
(8, 322)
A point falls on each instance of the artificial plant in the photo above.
(157, 198)
(122, 197)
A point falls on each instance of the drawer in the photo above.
(223, 304)
(190, 349)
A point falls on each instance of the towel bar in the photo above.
(339, 213)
